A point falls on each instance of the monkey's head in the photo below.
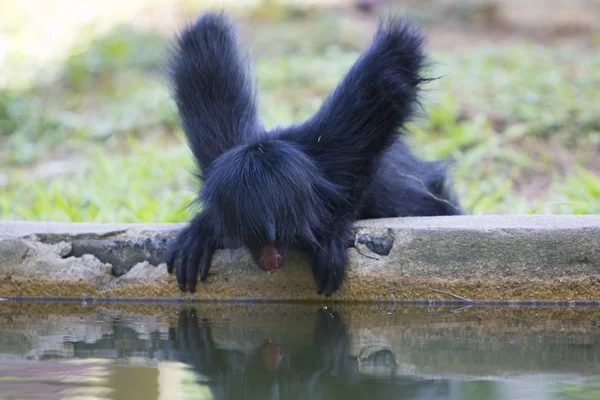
(268, 196)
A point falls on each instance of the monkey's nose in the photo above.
(271, 263)
(277, 261)
(269, 258)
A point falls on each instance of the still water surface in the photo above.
(274, 351)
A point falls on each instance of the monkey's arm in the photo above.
(361, 117)
(216, 103)
(355, 126)
(212, 89)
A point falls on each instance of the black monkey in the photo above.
(303, 185)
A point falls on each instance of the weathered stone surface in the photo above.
(477, 257)
(22, 261)
(122, 254)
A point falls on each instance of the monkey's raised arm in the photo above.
(356, 124)
(360, 118)
(213, 92)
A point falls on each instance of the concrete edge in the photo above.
(479, 222)
(465, 258)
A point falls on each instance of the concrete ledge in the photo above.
(468, 257)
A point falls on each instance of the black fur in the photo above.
(301, 185)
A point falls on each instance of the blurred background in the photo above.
(88, 131)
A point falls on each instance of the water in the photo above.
(275, 351)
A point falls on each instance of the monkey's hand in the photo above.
(191, 252)
(329, 265)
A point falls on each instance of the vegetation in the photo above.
(98, 139)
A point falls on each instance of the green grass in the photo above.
(149, 184)
(520, 123)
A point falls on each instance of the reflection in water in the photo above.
(298, 352)
(321, 370)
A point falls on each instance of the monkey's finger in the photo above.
(332, 282)
(321, 278)
(205, 263)
(337, 277)
(174, 250)
(192, 267)
(171, 255)
(314, 264)
(318, 270)
(181, 271)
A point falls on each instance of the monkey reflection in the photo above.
(323, 369)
